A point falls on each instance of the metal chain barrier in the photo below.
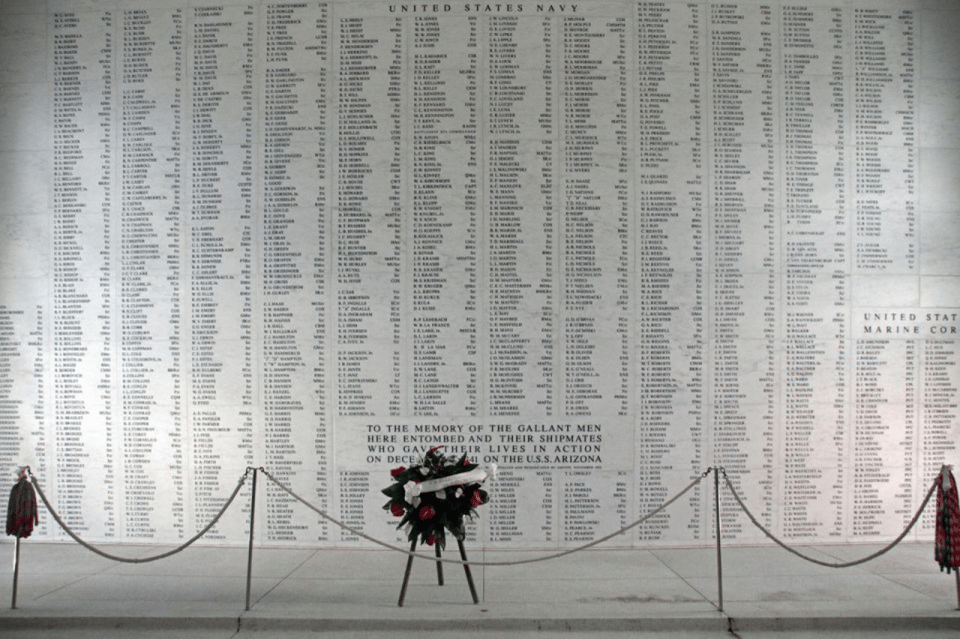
(404, 551)
(135, 560)
(828, 564)
(463, 560)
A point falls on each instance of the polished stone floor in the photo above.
(66, 590)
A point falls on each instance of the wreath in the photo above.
(435, 495)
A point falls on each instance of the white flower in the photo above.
(441, 494)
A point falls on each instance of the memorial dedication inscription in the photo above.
(604, 245)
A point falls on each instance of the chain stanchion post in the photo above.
(716, 505)
(16, 573)
(253, 512)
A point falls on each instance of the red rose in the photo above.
(427, 512)
(476, 499)
(431, 539)
(396, 471)
(397, 510)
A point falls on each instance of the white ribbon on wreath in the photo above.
(478, 475)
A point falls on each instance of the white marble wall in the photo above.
(606, 245)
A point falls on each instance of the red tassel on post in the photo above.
(22, 513)
(947, 545)
(22, 516)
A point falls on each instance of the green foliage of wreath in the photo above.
(433, 513)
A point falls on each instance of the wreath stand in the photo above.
(466, 570)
